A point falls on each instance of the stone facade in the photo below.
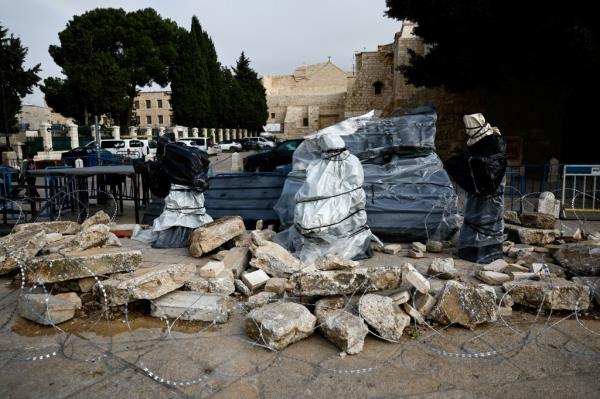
(312, 98)
(380, 86)
(153, 109)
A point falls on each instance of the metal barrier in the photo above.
(581, 191)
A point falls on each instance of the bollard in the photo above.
(235, 162)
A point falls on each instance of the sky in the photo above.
(277, 35)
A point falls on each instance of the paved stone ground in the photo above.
(133, 356)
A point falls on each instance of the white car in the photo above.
(131, 148)
(264, 143)
(198, 142)
(227, 145)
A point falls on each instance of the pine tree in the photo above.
(251, 107)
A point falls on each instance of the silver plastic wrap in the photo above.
(183, 212)
(329, 213)
(409, 195)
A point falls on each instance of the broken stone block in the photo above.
(99, 217)
(255, 279)
(222, 284)
(434, 246)
(593, 283)
(96, 235)
(512, 217)
(415, 254)
(418, 246)
(277, 285)
(414, 278)
(506, 246)
(86, 284)
(241, 287)
(122, 230)
(57, 226)
(53, 237)
(547, 203)
(424, 303)
(45, 309)
(437, 286)
(74, 265)
(413, 313)
(400, 297)
(523, 276)
(71, 297)
(346, 330)
(335, 262)
(518, 250)
(19, 247)
(581, 259)
(237, 260)
(383, 315)
(498, 266)
(340, 282)
(259, 224)
(277, 325)
(261, 237)
(513, 267)
(275, 260)
(502, 298)
(188, 305)
(465, 305)
(550, 293)
(530, 236)
(442, 268)
(211, 269)
(492, 278)
(243, 240)
(392, 249)
(146, 283)
(219, 256)
(538, 220)
(214, 234)
(260, 299)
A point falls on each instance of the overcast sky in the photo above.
(277, 35)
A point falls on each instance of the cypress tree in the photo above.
(252, 112)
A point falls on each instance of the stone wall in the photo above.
(159, 112)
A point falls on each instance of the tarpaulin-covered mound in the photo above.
(409, 195)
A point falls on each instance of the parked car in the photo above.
(269, 160)
(249, 144)
(130, 148)
(227, 145)
(198, 142)
(88, 156)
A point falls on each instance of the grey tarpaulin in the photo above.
(329, 211)
(409, 196)
(183, 212)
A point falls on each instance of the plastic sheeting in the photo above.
(183, 212)
(329, 211)
(482, 233)
(409, 195)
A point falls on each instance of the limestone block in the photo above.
(340, 282)
(58, 226)
(434, 246)
(392, 249)
(465, 305)
(19, 247)
(400, 297)
(275, 260)
(71, 297)
(414, 278)
(498, 266)
(442, 268)
(383, 315)
(418, 246)
(260, 299)
(491, 277)
(188, 305)
(222, 284)
(538, 220)
(346, 330)
(277, 325)
(582, 259)
(277, 285)
(146, 283)
(99, 217)
(236, 260)
(74, 265)
(255, 279)
(45, 309)
(95, 235)
(214, 234)
(241, 287)
(550, 293)
(211, 269)
(335, 262)
(593, 283)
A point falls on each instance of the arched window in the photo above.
(378, 88)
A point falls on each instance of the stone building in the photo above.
(153, 109)
(380, 86)
(311, 98)
(31, 116)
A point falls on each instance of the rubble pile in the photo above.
(285, 300)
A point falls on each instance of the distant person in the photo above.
(27, 178)
(480, 172)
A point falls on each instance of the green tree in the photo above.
(251, 104)
(106, 55)
(15, 81)
(190, 81)
(483, 44)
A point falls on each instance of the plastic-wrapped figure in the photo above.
(480, 172)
